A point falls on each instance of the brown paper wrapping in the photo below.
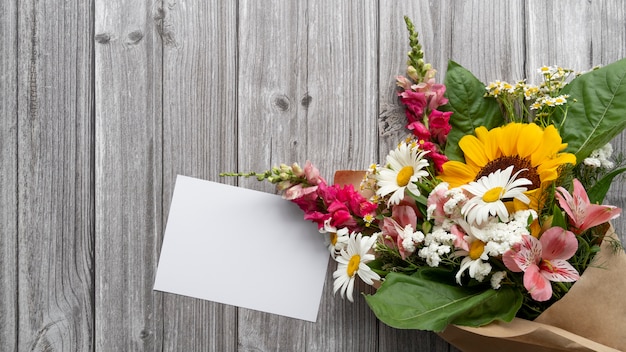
(591, 317)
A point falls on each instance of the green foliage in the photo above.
(470, 109)
(595, 110)
(430, 300)
(597, 192)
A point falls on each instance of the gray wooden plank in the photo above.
(297, 101)
(434, 36)
(270, 85)
(608, 43)
(550, 35)
(128, 173)
(459, 31)
(199, 134)
(8, 177)
(598, 40)
(55, 195)
(341, 133)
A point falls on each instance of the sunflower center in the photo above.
(528, 170)
(492, 195)
(333, 238)
(404, 176)
(476, 249)
(353, 264)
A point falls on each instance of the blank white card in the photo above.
(241, 247)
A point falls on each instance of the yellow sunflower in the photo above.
(525, 146)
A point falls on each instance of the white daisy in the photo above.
(352, 261)
(405, 166)
(490, 192)
(336, 239)
(475, 262)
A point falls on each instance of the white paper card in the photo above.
(241, 247)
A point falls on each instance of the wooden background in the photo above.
(103, 103)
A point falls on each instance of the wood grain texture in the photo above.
(199, 134)
(8, 177)
(128, 174)
(304, 64)
(55, 185)
(103, 103)
(599, 40)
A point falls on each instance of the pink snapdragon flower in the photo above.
(439, 124)
(415, 103)
(582, 214)
(543, 260)
(341, 205)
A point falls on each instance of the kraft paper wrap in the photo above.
(591, 317)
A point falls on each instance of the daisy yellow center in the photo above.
(476, 249)
(492, 195)
(333, 238)
(353, 264)
(404, 176)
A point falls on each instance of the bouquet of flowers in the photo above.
(490, 209)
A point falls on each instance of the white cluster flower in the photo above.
(410, 238)
(457, 199)
(437, 243)
(496, 279)
(600, 158)
(501, 236)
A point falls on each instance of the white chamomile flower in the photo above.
(405, 166)
(475, 262)
(352, 261)
(336, 239)
(490, 192)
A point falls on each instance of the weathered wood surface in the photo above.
(103, 103)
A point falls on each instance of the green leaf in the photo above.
(596, 109)
(470, 109)
(428, 301)
(597, 192)
(558, 218)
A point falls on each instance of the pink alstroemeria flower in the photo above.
(543, 260)
(584, 215)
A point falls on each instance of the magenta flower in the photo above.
(439, 124)
(582, 214)
(415, 103)
(543, 260)
(419, 130)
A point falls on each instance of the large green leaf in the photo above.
(470, 108)
(427, 302)
(596, 109)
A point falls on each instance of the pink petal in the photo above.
(558, 243)
(508, 258)
(565, 201)
(558, 270)
(523, 255)
(404, 215)
(596, 214)
(537, 285)
(579, 191)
